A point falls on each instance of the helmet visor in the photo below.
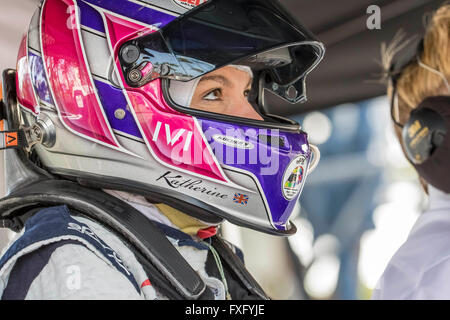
(222, 32)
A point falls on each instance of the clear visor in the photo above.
(258, 33)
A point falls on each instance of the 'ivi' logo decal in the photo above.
(172, 139)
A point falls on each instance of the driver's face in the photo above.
(225, 91)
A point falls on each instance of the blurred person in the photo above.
(114, 104)
(420, 108)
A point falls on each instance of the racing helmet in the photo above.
(100, 78)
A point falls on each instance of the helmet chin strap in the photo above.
(182, 92)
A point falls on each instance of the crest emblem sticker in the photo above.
(293, 178)
(189, 4)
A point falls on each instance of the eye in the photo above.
(247, 93)
(213, 95)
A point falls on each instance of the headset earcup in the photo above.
(424, 132)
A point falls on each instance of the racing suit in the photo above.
(59, 255)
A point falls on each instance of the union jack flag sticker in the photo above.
(240, 198)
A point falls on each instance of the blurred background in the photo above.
(359, 205)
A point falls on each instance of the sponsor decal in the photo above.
(240, 198)
(8, 139)
(11, 139)
(233, 142)
(293, 178)
(189, 4)
(177, 181)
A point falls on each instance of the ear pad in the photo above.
(426, 138)
(424, 132)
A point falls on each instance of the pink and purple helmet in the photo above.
(95, 75)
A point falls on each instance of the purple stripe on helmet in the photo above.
(113, 99)
(39, 79)
(265, 161)
(90, 17)
(134, 11)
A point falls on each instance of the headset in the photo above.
(425, 130)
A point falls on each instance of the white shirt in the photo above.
(420, 269)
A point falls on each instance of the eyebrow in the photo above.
(222, 80)
(217, 78)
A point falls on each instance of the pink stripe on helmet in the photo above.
(25, 91)
(68, 73)
(171, 136)
(121, 30)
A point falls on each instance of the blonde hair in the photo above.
(416, 82)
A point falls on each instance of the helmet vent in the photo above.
(271, 140)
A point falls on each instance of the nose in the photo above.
(243, 108)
